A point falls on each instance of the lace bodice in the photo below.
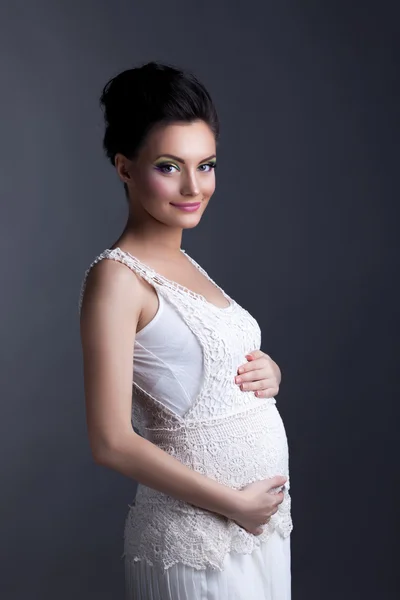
(227, 434)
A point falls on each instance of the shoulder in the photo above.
(109, 283)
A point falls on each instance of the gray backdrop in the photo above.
(301, 231)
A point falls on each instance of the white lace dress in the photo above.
(174, 550)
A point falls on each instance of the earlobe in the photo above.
(124, 174)
(122, 168)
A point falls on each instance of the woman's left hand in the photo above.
(260, 374)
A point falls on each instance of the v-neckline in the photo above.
(179, 286)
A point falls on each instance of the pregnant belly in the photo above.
(251, 447)
(234, 450)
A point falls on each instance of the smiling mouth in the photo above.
(186, 204)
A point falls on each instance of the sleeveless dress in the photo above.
(185, 400)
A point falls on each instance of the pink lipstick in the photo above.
(187, 206)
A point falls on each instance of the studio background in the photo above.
(302, 231)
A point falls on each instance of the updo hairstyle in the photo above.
(139, 98)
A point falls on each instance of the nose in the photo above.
(190, 186)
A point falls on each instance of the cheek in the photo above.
(159, 186)
(207, 186)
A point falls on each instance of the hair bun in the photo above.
(136, 99)
(117, 95)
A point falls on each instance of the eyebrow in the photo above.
(181, 159)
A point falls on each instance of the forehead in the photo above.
(187, 140)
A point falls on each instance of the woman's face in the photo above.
(175, 166)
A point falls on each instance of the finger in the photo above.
(256, 363)
(276, 481)
(256, 372)
(267, 520)
(254, 375)
(254, 531)
(263, 384)
(280, 497)
(259, 355)
(255, 354)
(268, 393)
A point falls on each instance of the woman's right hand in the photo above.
(257, 503)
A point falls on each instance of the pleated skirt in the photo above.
(263, 575)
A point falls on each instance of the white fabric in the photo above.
(212, 427)
(263, 575)
(168, 360)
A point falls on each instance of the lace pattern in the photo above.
(227, 434)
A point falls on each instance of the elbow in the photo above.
(107, 453)
(100, 457)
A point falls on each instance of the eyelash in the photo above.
(162, 166)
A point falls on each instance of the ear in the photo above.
(123, 167)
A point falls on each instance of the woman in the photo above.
(211, 517)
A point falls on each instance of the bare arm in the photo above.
(110, 312)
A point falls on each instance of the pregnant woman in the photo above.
(166, 350)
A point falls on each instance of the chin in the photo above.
(187, 222)
(190, 225)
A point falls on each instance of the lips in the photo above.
(187, 206)
(190, 204)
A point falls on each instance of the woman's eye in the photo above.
(210, 165)
(166, 167)
(163, 168)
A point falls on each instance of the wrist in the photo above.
(233, 504)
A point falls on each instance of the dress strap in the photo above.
(133, 263)
(204, 272)
(119, 255)
(159, 279)
(154, 278)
